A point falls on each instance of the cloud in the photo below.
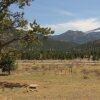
(81, 25)
(54, 12)
(63, 12)
(67, 13)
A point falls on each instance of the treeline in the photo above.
(90, 53)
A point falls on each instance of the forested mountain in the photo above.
(63, 41)
(58, 49)
(69, 36)
(94, 44)
(78, 37)
(57, 45)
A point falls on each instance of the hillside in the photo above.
(57, 45)
(63, 41)
(78, 37)
(69, 36)
(94, 44)
(45, 44)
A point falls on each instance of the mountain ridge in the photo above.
(78, 37)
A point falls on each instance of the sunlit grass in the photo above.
(55, 85)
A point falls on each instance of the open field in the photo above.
(57, 80)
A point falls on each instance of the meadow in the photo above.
(57, 80)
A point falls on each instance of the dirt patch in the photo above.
(12, 84)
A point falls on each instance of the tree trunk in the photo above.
(0, 48)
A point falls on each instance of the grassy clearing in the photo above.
(55, 84)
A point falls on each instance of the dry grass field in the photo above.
(57, 80)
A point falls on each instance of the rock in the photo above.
(32, 87)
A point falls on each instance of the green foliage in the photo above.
(13, 27)
(15, 21)
(93, 54)
(7, 63)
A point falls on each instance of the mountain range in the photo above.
(72, 39)
(67, 40)
(78, 37)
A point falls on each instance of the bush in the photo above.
(7, 63)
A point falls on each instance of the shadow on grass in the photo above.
(3, 74)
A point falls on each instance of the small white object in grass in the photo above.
(33, 85)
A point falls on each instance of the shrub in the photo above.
(7, 63)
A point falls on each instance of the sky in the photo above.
(63, 15)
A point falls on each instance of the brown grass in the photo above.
(55, 82)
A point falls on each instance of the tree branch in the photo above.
(4, 6)
(13, 40)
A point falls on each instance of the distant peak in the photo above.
(94, 30)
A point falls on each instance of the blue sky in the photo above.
(63, 15)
